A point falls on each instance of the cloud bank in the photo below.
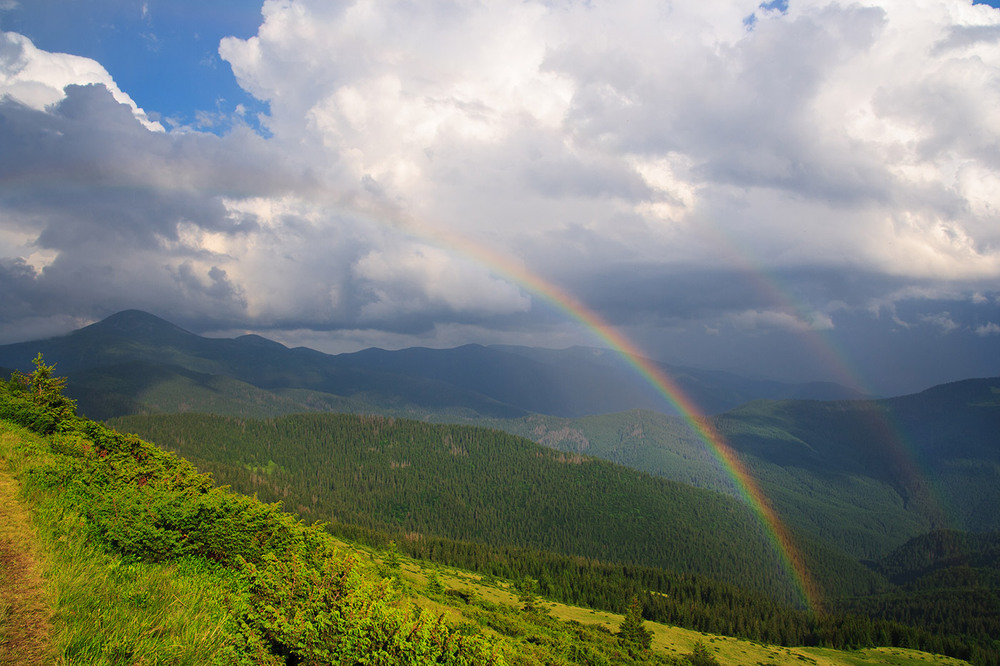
(715, 178)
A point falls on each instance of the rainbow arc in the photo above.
(748, 487)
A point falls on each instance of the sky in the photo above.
(801, 190)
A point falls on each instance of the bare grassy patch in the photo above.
(24, 610)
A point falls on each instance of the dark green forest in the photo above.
(472, 484)
(863, 475)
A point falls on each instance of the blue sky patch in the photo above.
(167, 62)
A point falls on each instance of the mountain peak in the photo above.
(254, 340)
(136, 323)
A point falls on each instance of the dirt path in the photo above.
(24, 613)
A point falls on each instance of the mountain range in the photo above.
(150, 552)
(135, 361)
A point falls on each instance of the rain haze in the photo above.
(801, 190)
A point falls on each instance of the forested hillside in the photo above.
(947, 581)
(875, 473)
(863, 475)
(484, 500)
(485, 486)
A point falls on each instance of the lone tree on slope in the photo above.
(632, 634)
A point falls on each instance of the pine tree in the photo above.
(526, 594)
(700, 656)
(37, 399)
(390, 562)
(632, 633)
(434, 584)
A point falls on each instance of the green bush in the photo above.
(19, 407)
(36, 401)
(339, 613)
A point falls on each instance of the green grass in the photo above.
(669, 643)
(110, 612)
(106, 610)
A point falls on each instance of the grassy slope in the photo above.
(670, 640)
(103, 608)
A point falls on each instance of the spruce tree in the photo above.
(526, 588)
(632, 634)
(391, 563)
(434, 584)
(700, 656)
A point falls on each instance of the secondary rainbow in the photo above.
(879, 421)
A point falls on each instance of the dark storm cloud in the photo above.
(88, 171)
(90, 183)
(18, 296)
(632, 293)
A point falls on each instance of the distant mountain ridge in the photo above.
(477, 381)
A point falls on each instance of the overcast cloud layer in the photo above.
(807, 190)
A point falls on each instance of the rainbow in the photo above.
(767, 285)
(382, 213)
(747, 486)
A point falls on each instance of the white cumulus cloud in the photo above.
(38, 78)
(835, 133)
